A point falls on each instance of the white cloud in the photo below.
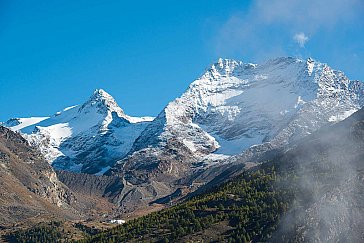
(265, 29)
(301, 39)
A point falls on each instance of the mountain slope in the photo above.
(242, 104)
(87, 138)
(234, 112)
(310, 193)
(330, 167)
(230, 108)
(236, 108)
(30, 189)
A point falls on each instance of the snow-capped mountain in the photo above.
(234, 106)
(234, 111)
(87, 138)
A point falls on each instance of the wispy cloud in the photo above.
(266, 28)
(301, 39)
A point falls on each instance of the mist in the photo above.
(328, 185)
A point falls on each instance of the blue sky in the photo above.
(54, 54)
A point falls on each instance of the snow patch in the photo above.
(25, 122)
(190, 145)
(70, 107)
(237, 145)
(299, 102)
(341, 116)
(140, 119)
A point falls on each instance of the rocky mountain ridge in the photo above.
(233, 112)
(29, 185)
(87, 138)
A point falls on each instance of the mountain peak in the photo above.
(227, 65)
(100, 94)
(227, 62)
(223, 67)
(103, 102)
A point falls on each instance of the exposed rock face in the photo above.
(235, 105)
(235, 112)
(91, 185)
(89, 138)
(29, 185)
(230, 109)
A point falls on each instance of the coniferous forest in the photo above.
(245, 209)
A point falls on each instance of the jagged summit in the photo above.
(87, 138)
(235, 105)
(235, 110)
(103, 103)
(225, 67)
(101, 93)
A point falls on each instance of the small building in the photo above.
(117, 221)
